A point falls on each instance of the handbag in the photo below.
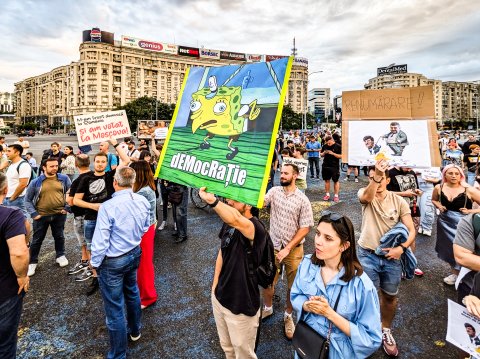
(308, 343)
(175, 194)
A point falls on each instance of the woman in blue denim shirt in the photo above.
(356, 327)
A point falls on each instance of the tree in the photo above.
(143, 108)
(290, 120)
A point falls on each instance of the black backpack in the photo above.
(266, 269)
(33, 174)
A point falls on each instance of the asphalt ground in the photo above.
(60, 321)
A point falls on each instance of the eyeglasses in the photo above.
(334, 216)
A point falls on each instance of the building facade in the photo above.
(319, 102)
(409, 80)
(460, 100)
(113, 73)
(7, 102)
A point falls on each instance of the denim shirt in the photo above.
(121, 223)
(35, 187)
(149, 195)
(358, 304)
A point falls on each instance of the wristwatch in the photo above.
(403, 248)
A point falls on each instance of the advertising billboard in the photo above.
(300, 61)
(274, 57)
(392, 70)
(255, 58)
(210, 54)
(188, 51)
(129, 41)
(97, 35)
(147, 128)
(228, 55)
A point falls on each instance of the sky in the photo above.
(345, 41)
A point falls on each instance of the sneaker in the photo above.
(289, 326)
(312, 177)
(79, 267)
(419, 272)
(161, 227)
(134, 338)
(93, 287)
(267, 313)
(389, 345)
(84, 276)
(450, 280)
(420, 230)
(181, 239)
(336, 199)
(356, 180)
(326, 197)
(346, 179)
(31, 269)
(427, 233)
(62, 261)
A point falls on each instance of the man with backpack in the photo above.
(112, 160)
(291, 217)
(235, 291)
(18, 176)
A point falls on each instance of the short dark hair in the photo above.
(328, 138)
(368, 138)
(54, 143)
(286, 151)
(82, 160)
(29, 154)
(468, 325)
(2, 137)
(394, 124)
(100, 154)
(49, 159)
(344, 228)
(16, 147)
(289, 142)
(295, 167)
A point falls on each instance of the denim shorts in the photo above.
(88, 230)
(385, 274)
(78, 228)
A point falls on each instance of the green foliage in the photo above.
(292, 120)
(27, 126)
(143, 108)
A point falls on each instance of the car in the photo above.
(72, 133)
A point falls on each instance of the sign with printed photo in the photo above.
(100, 126)
(146, 128)
(224, 128)
(463, 329)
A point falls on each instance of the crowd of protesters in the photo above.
(346, 290)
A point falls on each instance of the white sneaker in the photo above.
(451, 279)
(31, 269)
(161, 227)
(62, 261)
(174, 226)
(427, 233)
(346, 179)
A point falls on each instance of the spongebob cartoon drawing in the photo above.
(218, 110)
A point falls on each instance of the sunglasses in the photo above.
(334, 216)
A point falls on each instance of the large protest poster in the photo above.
(463, 329)
(97, 127)
(224, 129)
(394, 124)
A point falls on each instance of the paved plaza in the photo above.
(59, 321)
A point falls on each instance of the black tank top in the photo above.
(460, 201)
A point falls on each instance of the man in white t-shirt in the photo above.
(132, 152)
(18, 175)
(24, 143)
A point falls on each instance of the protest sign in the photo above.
(394, 124)
(100, 126)
(224, 129)
(463, 329)
(148, 127)
(302, 165)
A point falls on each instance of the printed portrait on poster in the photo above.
(463, 329)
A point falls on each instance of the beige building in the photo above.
(7, 102)
(108, 75)
(409, 80)
(460, 100)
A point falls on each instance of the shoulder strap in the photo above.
(334, 309)
(18, 167)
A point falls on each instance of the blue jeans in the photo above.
(40, 227)
(181, 218)
(10, 311)
(385, 274)
(18, 202)
(471, 178)
(88, 231)
(427, 209)
(118, 284)
(314, 161)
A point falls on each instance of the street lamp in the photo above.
(304, 124)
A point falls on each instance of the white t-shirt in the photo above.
(25, 144)
(14, 175)
(134, 153)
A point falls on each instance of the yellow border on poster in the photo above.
(276, 124)
(172, 124)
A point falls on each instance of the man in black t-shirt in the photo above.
(235, 292)
(14, 282)
(83, 165)
(331, 153)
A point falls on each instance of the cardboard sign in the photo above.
(100, 126)
(394, 124)
(224, 129)
(463, 329)
(301, 164)
(159, 128)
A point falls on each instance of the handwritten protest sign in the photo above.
(463, 329)
(301, 164)
(394, 124)
(224, 129)
(98, 127)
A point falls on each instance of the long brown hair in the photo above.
(144, 175)
(344, 228)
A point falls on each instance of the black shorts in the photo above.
(330, 173)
